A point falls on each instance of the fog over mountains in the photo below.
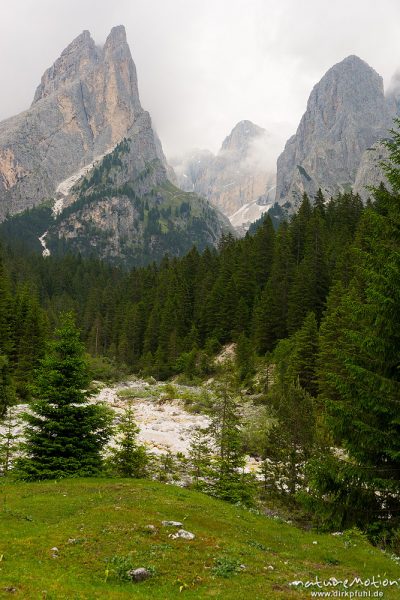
(239, 180)
(336, 148)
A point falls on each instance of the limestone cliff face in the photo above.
(235, 177)
(370, 173)
(86, 103)
(393, 94)
(346, 114)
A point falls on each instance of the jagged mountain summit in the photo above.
(236, 180)
(347, 113)
(86, 154)
(86, 103)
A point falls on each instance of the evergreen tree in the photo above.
(65, 433)
(166, 467)
(298, 229)
(319, 203)
(302, 365)
(129, 459)
(200, 457)
(262, 252)
(330, 367)
(6, 310)
(9, 441)
(7, 387)
(270, 312)
(227, 479)
(244, 360)
(29, 342)
(311, 281)
(290, 440)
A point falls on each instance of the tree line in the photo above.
(167, 318)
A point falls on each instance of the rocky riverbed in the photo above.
(161, 412)
(165, 425)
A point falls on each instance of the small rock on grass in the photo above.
(171, 523)
(140, 574)
(185, 535)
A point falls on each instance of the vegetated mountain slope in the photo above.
(235, 553)
(122, 213)
(347, 113)
(237, 180)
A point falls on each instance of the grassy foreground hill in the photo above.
(99, 528)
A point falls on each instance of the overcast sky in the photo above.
(204, 65)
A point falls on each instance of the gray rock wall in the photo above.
(87, 101)
(347, 112)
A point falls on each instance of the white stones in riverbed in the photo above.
(163, 427)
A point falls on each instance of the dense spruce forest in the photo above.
(314, 311)
(161, 319)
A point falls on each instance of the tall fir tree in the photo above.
(9, 441)
(226, 479)
(129, 458)
(7, 386)
(311, 281)
(64, 433)
(302, 365)
(290, 440)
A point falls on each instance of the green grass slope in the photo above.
(91, 521)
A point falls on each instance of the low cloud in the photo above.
(204, 66)
(263, 152)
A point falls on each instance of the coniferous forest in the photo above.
(313, 310)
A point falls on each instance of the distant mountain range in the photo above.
(83, 170)
(336, 148)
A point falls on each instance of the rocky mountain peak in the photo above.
(241, 137)
(116, 37)
(120, 71)
(86, 103)
(346, 113)
(235, 180)
(345, 88)
(87, 145)
(81, 54)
